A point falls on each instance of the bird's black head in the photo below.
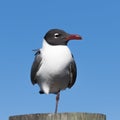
(59, 37)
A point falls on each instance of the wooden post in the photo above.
(60, 116)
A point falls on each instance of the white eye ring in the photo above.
(56, 35)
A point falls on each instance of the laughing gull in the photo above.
(54, 68)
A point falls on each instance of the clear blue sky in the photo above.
(22, 27)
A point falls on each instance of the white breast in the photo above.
(55, 58)
(54, 61)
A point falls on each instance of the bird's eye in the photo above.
(56, 35)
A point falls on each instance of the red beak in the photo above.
(74, 37)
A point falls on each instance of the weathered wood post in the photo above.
(60, 116)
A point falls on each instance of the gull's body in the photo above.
(54, 68)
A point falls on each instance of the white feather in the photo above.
(54, 61)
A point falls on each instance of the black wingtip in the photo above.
(33, 82)
(41, 92)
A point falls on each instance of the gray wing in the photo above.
(72, 73)
(35, 66)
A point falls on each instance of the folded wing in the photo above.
(72, 73)
(35, 66)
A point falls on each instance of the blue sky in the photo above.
(22, 27)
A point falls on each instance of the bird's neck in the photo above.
(47, 45)
(62, 50)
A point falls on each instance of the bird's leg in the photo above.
(57, 100)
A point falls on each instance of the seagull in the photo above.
(54, 68)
